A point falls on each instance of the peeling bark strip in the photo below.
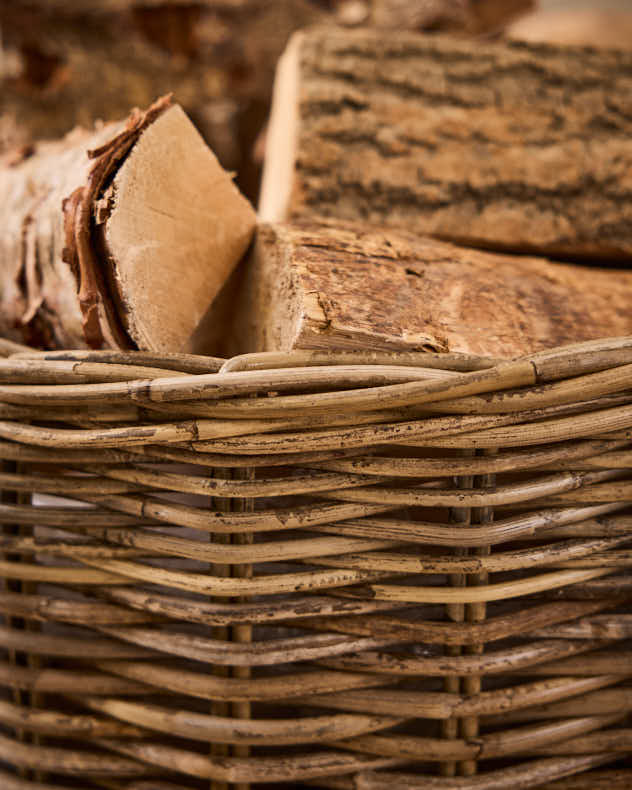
(507, 146)
(349, 286)
(119, 237)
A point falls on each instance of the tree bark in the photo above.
(119, 237)
(510, 146)
(351, 286)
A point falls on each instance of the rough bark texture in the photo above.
(39, 291)
(509, 146)
(118, 237)
(346, 286)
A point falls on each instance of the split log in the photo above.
(505, 146)
(119, 237)
(350, 286)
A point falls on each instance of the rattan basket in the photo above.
(340, 571)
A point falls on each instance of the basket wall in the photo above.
(337, 571)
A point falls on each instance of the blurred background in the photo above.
(71, 62)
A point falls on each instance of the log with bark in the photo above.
(119, 237)
(506, 146)
(352, 286)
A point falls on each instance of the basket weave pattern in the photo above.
(341, 571)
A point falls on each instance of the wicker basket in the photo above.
(339, 571)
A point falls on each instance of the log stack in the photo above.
(509, 147)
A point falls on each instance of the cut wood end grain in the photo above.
(177, 229)
(281, 140)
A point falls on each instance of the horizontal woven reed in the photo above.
(354, 570)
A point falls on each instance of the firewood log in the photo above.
(120, 237)
(506, 146)
(348, 286)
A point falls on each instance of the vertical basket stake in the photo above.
(242, 633)
(20, 697)
(476, 613)
(456, 613)
(219, 708)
